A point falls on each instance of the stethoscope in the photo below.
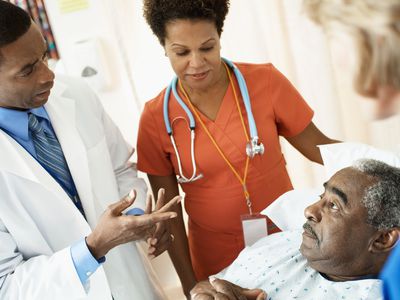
(253, 147)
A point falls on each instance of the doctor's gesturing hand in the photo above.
(114, 228)
(161, 238)
(219, 289)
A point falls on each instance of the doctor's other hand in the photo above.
(115, 228)
(162, 237)
(219, 289)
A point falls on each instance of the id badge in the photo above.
(254, 228)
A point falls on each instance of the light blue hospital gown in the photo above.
(276, 265)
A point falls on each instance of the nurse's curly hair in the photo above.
(159, 12)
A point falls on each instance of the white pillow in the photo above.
(287, 212)
(342, 155)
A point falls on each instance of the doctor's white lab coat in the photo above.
(38, 221)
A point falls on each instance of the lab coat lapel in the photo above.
(15, 160)
(62, 113)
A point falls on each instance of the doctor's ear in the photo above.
(385, 240)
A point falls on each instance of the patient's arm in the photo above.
(222, 289)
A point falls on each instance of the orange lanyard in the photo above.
(241, 179)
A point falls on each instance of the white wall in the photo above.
(95, 23)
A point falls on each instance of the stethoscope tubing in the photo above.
(192, 124)
(243, 90)
(246, 98)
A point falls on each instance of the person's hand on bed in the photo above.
(219, 289)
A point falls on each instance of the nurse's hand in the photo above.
(115, 228)
(224, 290)
(162, 237)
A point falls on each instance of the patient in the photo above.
(347, 237)
(375, 27)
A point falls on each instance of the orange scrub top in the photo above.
(215, 202)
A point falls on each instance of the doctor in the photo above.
(62, 160)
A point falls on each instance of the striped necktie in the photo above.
(51, 157)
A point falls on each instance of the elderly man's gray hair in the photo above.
(381, 199)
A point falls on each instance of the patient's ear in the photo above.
(385, 240)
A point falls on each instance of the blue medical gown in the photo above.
(391, 276)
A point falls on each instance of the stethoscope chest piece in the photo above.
(254, 147)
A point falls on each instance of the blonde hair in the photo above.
(375, 24)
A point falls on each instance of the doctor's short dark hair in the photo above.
(159, 12)
(14, 22)
(382, 198)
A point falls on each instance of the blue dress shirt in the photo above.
(15, 124)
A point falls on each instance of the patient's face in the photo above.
(336, 237)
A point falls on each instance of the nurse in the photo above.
(222, 181)
(375, 26)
